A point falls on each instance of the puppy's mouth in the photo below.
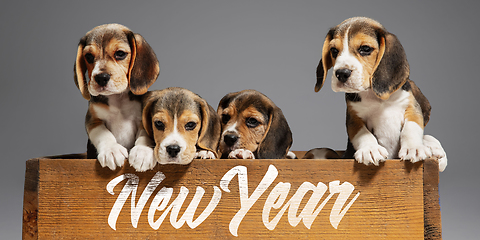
(174, 160)
(171, 160)
(350, 86)
(349, 80)
(97, 86)
(343, 87)
(104, 91)
(173, 156)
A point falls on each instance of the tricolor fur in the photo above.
(183, 125)
(114, 67)
(253, 127)
(386, 111)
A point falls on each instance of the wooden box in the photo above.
(70, 197)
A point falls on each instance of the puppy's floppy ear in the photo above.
(209, 134)
(392, 69)
(79, 70)
(144, 67)
(225, 101)
(277, 139)
(326, 61)
(421, 99)
(149, 100)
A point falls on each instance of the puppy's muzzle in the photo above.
(230, 139)
(343, 74)
(173, 150)
(102, 79)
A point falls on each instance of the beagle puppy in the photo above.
(114, 67)
(253, 127)
(321, 153)
(386, 111)
(183, 125)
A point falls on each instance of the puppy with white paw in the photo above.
(386, 111)
(114, 67)
(183, 125)
(253, 127)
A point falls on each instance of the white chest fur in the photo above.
(384, 118)
(122, 118)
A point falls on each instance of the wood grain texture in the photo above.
(70, 200)
(432, 216)
(30, 201)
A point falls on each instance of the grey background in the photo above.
(217, 47)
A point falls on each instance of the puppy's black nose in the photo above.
(343, 74)
(230, 139)
(102, 79)
(173, 150)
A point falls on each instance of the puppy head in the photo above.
(181, 123)
(112, 59)
(251, 121)
(363, 56)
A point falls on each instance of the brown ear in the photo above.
(325, 63)
(422, 101)
(225, 101)
(79, 71)
(144, 67)
(149, 101)
(392, 69)
(209, 135)
(278, 137)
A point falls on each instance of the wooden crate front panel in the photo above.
(74, 201)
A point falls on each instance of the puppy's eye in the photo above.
(89, 58)
(120, 55)
(190, 126)
(159, 125)
(334, 52)
(225, 118)
(365, 50)
(252, 122)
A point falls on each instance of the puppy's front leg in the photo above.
(437, 151)
(411, 137)
(110, 153)
(241, 154)
(368, 151)
(141, 155)
(291, 155)
(204, 154)
(411, 143)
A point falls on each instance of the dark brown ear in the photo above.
(392, 68)
(422, 101)
(149, 100)
(144, 67)
(225, 101)
(325, 63)
(209, 135)
(79, 71)
(278, 137)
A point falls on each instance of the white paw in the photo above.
(442, 163)
(112, 155)
(291, 155)
(414, 152)
(141, 158)
(437, 151)
(204, 154)
(241, 154)
(371, 154)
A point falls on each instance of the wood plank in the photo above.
(432, 216)
(30, 201)
(73, 201)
